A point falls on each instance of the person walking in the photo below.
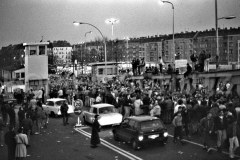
(1, 130)
(127, 105)
(27, 125)
(207, 124)
(177, 123)
(156, 111)
(22, 142)
(233, 133)
(21, 115)
(221, 126)
(12, 115)
(95, 140)
(10, 141)
(38, 112)
(64, 112)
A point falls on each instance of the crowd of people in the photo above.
(31, 121)
(191, 113)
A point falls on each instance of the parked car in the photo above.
(53, 105)
(107, 112)
(141, 129)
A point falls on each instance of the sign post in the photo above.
(78, 110)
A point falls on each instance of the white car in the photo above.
(53, 106)
(107, 112)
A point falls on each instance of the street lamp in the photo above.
(173, 45)
(104, 41)
(127, 39)
(216, 22)
(112, 21)
(84, 49)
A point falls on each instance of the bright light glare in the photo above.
(76, 23)
(161, 2)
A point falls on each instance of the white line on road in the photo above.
(111, 146)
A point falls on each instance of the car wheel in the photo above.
(135, 145)
(115, 137)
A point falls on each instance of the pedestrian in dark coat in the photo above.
(95, 140)
(21, 115)
(10, 141)
(12, 116)
(201, 60)
(64, 112)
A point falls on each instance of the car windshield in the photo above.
(152, 124)
(106, 110)
(59, 103)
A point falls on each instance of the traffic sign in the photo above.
(77, 111)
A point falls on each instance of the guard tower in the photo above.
(36, 65)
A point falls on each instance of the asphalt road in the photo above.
(60, 142)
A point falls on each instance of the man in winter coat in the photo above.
(64, 112)
(193, 58)
(201, 59)
(207, 124)
(9, 139)
(221, 126)
(233, 133)
(27, 126)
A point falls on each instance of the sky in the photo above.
(29, 20)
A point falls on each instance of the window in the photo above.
(41, 50)
(17, 75)
(95, 110)
(230, 44)
(131, 123)
(22, 75)
(100, 71)
(50, 103)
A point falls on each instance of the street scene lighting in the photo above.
(104, 41)
(173, 43)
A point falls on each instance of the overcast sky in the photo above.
(29, 20)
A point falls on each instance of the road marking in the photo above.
(115, 146)
(202, 146)
(110, 146)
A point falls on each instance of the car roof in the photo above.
(56, 99)
(142, 118)
(101, 105)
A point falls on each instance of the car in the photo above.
(107, 112)
(139, 130)
(53, 105)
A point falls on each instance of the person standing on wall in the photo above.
(161, 65)
(201, 59)
(194, 59)
(208, 56)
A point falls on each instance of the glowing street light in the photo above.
(104, 41)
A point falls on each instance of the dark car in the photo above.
(141, 129)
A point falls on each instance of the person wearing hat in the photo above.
(95, 140)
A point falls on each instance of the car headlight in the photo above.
(140, 138)
(165, 134)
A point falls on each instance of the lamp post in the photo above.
(173, 45)
(84, 49)
(112, 21)
(217, 40)
(104, 41)
(127, 39)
